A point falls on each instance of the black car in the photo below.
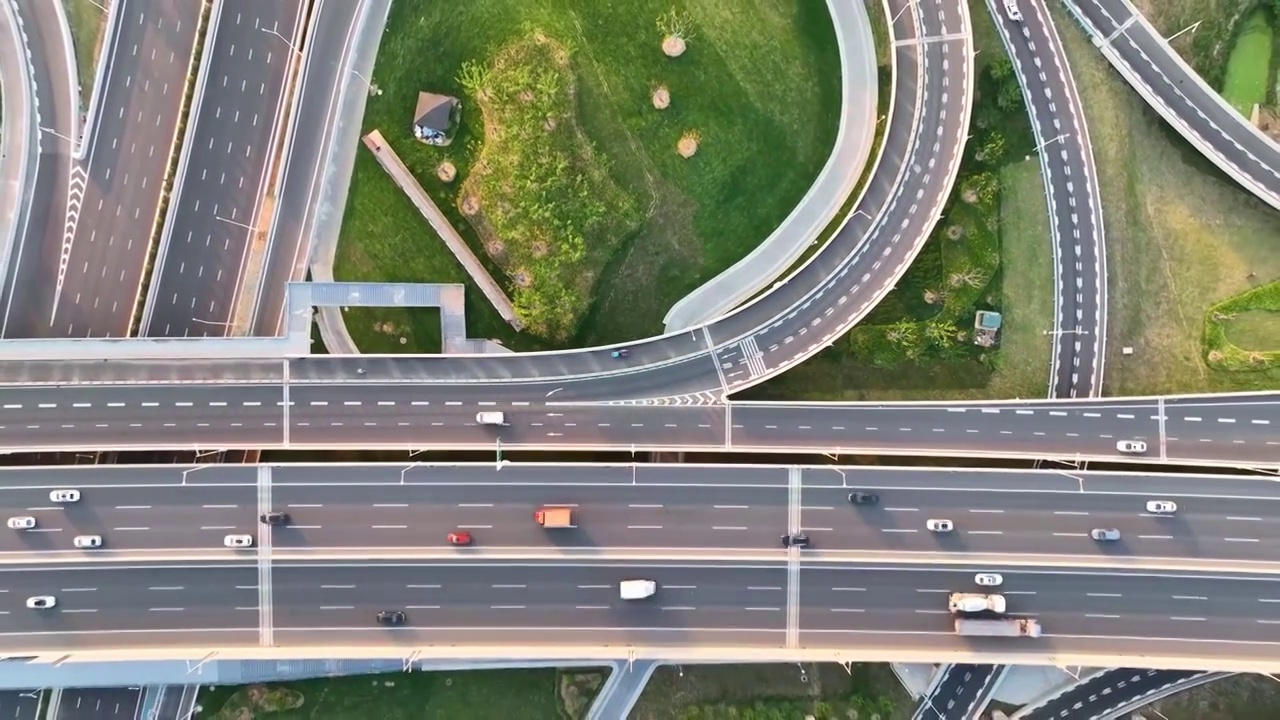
(274, 518)
(391, 617)
(863, 498)
(799, 540)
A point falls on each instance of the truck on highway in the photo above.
(637, 589)
(975, 603)
(1004, 627)
(554, 517)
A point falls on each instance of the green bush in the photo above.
(547, 206)
(1221, 353)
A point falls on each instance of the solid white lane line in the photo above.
(305, 505)
(731, 507)
(762, 609)
(475, 527)
(81, 610)
(1247, 519)
(1069, 512)
(1188, 619)
(898, 530)
(848, 589)
(901, 509)
(167, 587)
(816, 507)
(390, 505)
(1104, 594)
(337, 587)
(133, 507)
(1155, 537)
(1100, 615)
(644, 505)
(476, 505)
(1019, 592)
(337, 607)
(1059, 534)
(728, 527)
(984, 532)
(78, 590)
(590, 607)
(932, 612)
(165, 609)
(678, 607)
(421, 607)
(594, 587)
(131, 528)
(507, 587)
(1240, 539)
(932, 590)
(217, 527)
(763, 587)
(1189, 597)
(389, 527)
(679, 587)
(986, 511)
(423, 587)
(644, 527)
(816, 529)
(506, 607)
(219, 507)
(848, 610)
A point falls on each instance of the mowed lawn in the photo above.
(1249, 65)
(87, 22)
(760, 83)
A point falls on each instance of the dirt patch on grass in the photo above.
(577, 690)
(258, 700)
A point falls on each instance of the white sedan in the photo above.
(64, 496)
(1131, 447)
(988, 579)
(939, 526)
(87, 542)
(238, 541)
(1162, 507)
(41, 602)
(22, 523)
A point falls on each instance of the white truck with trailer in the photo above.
(1002, 627)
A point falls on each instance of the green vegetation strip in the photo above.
(1249, 65)
(88, 24)
(1261, 307)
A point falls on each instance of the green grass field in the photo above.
(476, 695)
(758, 83)
(87, 22)
(1249, 64)
(1255, 330)
(1180, 238)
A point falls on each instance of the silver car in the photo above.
(1105, 534)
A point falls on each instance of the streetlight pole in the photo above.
(1050, 141)
(237, 223)
(285, 40)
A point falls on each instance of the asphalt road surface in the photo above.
(121, 605)
(229, 152)
(19, 704)
(99, 704)
(1101, 695)
(1239, 429)
(643, 506)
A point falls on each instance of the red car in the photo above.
(460, 537)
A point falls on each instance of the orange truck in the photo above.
(554, 517)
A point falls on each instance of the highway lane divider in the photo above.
(401, 644)
(906, 561)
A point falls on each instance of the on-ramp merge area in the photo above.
(83, 279)
(226, 159)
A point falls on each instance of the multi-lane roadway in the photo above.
(1230, 430)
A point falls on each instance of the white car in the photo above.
(491, 418)
(64, 496)
(939, 526)
(238, 541)
(1162, 507)
(41, 602)
(1131, 447)
(87, 542)
(1011, 10)
(988, 579)
(637, 589)
(22, 523)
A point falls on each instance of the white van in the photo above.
(1011, 9)
(637, 589)
(491, 418)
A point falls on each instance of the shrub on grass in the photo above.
(1221, 353)
(544, 204)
